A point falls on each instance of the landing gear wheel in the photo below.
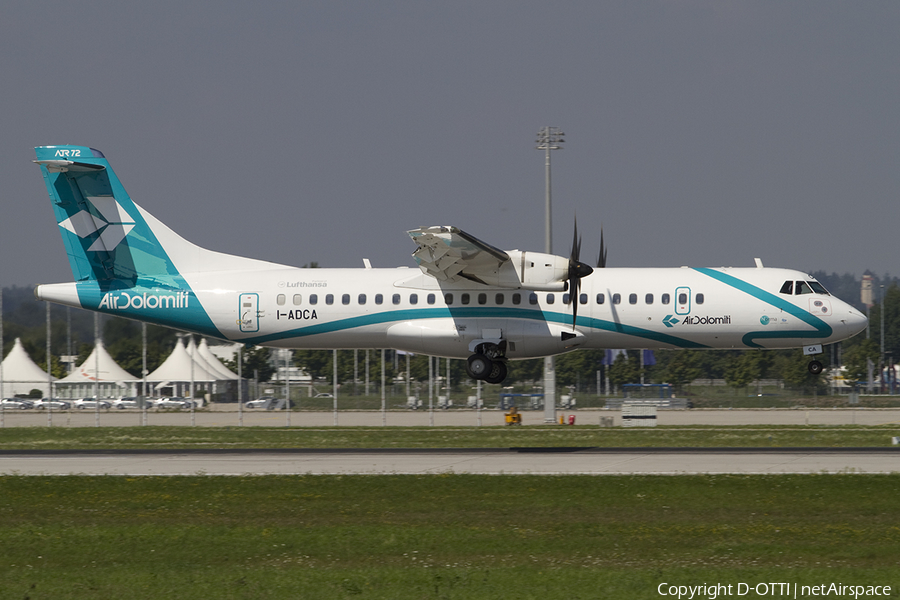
(815, 367)
(498, 372)
(479, 366)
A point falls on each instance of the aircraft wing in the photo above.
(450, 254)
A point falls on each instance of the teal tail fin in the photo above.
(105, 234)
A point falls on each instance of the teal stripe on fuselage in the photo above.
(614, 327)
(413, 314)
(822, 329)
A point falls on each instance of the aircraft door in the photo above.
(682, 300)
(249, 312)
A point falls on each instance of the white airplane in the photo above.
(467, 300)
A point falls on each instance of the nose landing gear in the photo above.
(815, 367)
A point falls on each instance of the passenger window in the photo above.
(482, 298)
(298, 299)
(329, 298)
(280, 299)
(499, 298)
(632, 298)
(430, 299)
(665, 298)
(617, 298)
(448, 299)
(802, 288)
(551, 298)
(413, 298)
(532, 298)
(787, 288)
(517, 298)
(601, 298)
(565, 298)
(699, 298)
(648, 299)
(583, 298)
(682, 298)
(464, 298)
(379, 298)
(313, 298)
(345, 299)
(362, 299)
(395, 298)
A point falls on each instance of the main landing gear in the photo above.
(815, 367)
(487, 364)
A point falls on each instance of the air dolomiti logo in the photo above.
(691, 320)
(671, 321)
(113, 224)
(126, 300)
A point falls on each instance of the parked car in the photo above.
(54, 404)
(260, 403)
(92, 403)
(16, 403)
(129, 402)
(173, 403)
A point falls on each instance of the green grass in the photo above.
(441, 536)
(75, 438)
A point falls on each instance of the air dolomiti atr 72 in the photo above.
(467, 300)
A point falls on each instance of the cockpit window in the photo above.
(787, 288)
(802, 288)
(818, 288)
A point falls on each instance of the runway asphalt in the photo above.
(658, 461)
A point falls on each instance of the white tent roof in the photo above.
(18, 366)
(108, 370)
(177, 367)
(224, 350)
(199, 361)
(204, 352)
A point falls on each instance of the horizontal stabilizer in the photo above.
(64, 166)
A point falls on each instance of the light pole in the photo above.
(549, 138)
(881, 355)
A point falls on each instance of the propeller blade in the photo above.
(601, 259)
(577, 270)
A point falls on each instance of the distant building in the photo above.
(19, 374)
(98, 374)
(193, 365)
(865, 292)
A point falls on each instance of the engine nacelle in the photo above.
(539, 271)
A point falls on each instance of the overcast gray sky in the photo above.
(701, 133)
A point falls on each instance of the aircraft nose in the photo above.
(854, 321)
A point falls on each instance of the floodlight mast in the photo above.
(881, 371)
(549, 138)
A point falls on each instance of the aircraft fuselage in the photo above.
(404, 309)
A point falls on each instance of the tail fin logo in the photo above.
(113, 223)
